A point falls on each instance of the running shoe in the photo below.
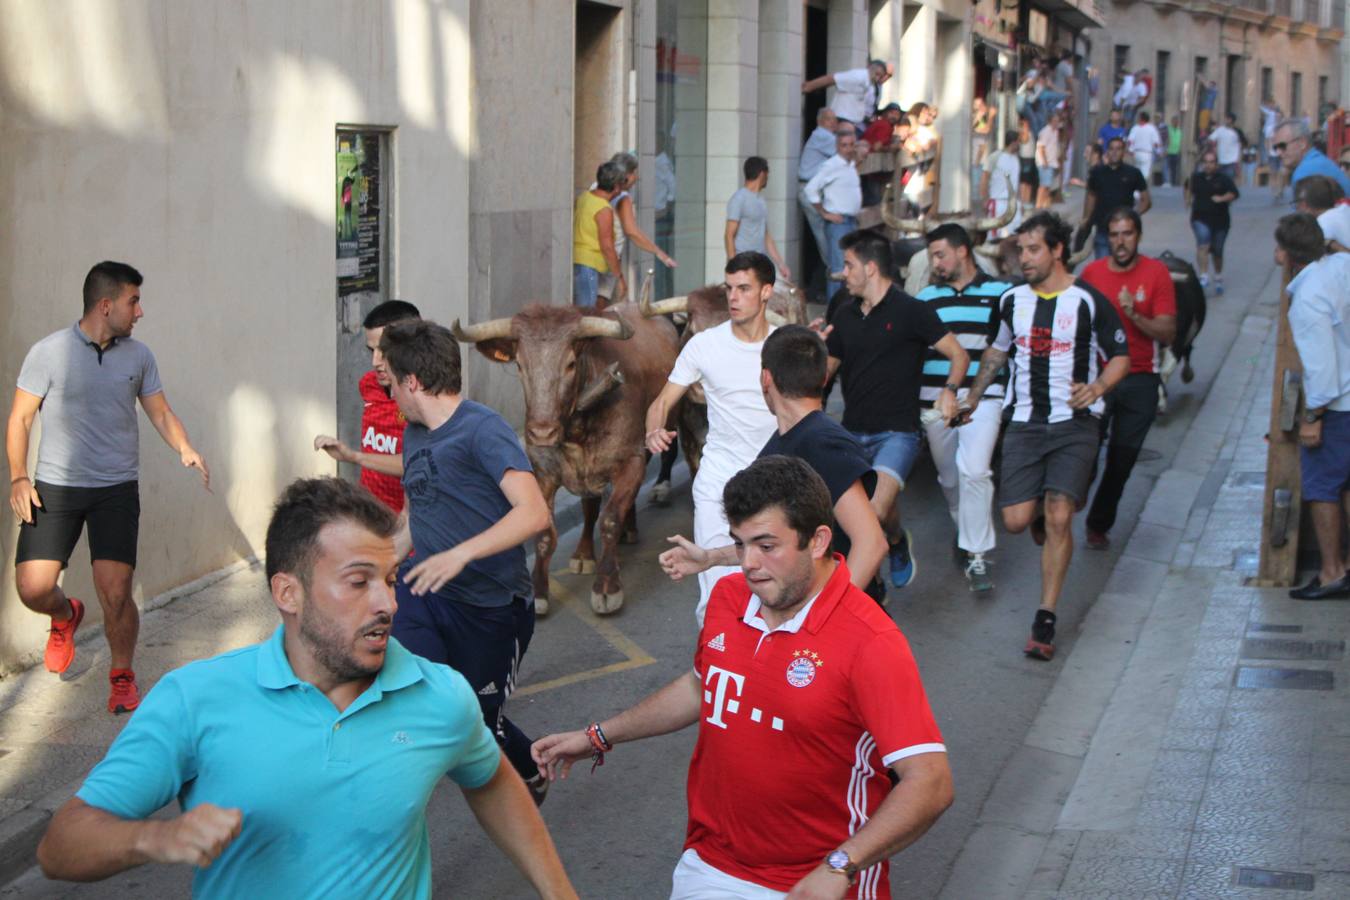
(1218, 286)
(61, 640)
(1041, 644)
(977, 573)
(1204, 281)
(1098, 540)
(124, 695)
(903, 566)
(538, 786)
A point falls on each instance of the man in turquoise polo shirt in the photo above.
(304, 764)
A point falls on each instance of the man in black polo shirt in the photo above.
(877, 343)
(793, 380)
(1110, 186)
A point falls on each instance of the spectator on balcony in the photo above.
(1293, 143)
(855, 91)
(819, 147)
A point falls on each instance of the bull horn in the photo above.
(483, 331)
(1078, 257)
(903, 226)
(609, 379)
(774, 319)
(667, 307)
(987, 251)
(993, 222)
(604, 326)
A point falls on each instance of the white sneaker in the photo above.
(977, 573)
(1204, 281)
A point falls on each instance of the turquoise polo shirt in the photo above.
(1315, 162)
(334, 804)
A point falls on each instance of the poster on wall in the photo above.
(359, 237)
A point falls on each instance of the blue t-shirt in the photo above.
(452, 480)
(1108, 132)
(1315, 162)
(333, 804)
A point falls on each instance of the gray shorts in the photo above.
(1040, 457)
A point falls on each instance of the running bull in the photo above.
(588, 379)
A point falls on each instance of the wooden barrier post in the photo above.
(1284, 491)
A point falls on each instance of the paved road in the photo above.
(620, 829)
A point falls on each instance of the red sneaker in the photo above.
(124, 696)
(61, 641)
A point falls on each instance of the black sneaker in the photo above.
(538, 786)
(1041, 644)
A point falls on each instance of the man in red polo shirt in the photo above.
(1140, 288)
(381, 453)
(809, 705)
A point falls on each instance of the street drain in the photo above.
(1280, 648)
(1274, 879)
(1262, 678)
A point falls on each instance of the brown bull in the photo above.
(588, 379)
(1003, 258)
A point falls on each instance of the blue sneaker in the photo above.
(902, 561)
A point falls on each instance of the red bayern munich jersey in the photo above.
(797, 728)
(381, 432)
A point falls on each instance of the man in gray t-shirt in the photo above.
(748, 217)
(86, 380)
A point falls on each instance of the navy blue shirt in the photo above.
(452, 477)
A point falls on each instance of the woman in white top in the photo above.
(628, 229)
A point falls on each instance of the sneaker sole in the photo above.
(120, 709)
(981, 588)
(78, 608)
(1036, 650)
(913, 565)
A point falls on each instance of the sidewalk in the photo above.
(1196, 744)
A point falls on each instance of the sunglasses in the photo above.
(1279, 148)
(1345, 165)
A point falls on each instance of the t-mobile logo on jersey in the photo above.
(716, 682)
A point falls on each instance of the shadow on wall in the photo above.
(195, 140)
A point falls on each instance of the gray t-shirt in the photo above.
(90, 437)
(749, 208)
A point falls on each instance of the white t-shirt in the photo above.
(1144, 139)
(1270, 120)
(1047, 142)
(854, 95)
(739, 422)
(1335, 224)
(1002, 164)
(1227, 145)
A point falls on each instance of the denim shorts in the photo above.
(1326, 469)
(891, 453)
(1213, 237)
(585, 285)
(1047, 175)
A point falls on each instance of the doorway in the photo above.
(815, 51)
(597, 90)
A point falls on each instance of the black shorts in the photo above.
(112, 513)
(1030, 174)
(1040, 457)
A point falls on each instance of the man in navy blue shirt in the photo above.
(472, 501)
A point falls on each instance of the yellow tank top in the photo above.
(585, 234)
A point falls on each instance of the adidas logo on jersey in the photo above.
(719, 642)
(488, 689)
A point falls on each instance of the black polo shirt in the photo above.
(881, 360)
(1114, 188)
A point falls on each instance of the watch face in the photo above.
(837, 860)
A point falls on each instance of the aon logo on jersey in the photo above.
(379, 443)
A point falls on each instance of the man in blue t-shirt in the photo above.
(1114, 128)
(472, 501)
(303, 765)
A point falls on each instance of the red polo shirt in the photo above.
(797, 729)
(1150, 284)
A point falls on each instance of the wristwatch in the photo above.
(1311, 417)
(839, 863)
(954, 388)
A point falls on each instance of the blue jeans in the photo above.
(1207, 236)
(891, 453)
(813, 221)
(585, 285)
(1101, 245)
(833, 232)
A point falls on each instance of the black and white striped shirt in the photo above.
(1054, 342)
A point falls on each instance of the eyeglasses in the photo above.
(1280, 147)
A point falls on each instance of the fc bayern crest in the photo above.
(801, 670)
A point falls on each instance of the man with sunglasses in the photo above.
(1293, 144)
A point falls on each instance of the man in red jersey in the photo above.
(1140, 288)
(809, 706)
(381, 453)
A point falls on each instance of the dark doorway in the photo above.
(815, 49)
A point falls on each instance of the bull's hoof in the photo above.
(660, 495)
(1187, 373)
(628, 536)
(578, 566)
(540, 606)
(606, 604)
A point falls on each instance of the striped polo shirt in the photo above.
(968, 314)
(1053, 342)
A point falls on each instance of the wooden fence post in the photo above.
(1284, 491)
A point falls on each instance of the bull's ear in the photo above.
(502, 350)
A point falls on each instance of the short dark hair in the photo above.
(609, 175)
(424, 349)
(952, 233)
(1301, 238)
(1126, 212)
(796, 358)
(389, 312)
(1053, 229)
(1115, 140)
(1318, 191)
(753, 166)
(1143, 117)
(305, 507)
(785, 482)
(1012, 134)
(869, 247)
(753, 261)
(107, 279)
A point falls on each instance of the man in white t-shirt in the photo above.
(1227, 147)
(1321, 196)
(1002, 172)
(855, 91)
(726, 361)
(1144, 143)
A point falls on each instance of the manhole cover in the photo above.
(1277, 629)
(1280, 648)
(1270, 878)
(1247, 479)
(1260, 678)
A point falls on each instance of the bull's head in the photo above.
(548, 345)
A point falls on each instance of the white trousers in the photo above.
(696, 880)
(962, 457)
(1144, 163)
(710, 530)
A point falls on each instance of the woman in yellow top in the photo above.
(593, 251)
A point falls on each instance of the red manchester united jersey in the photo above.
(381, 432)
(797, 729)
